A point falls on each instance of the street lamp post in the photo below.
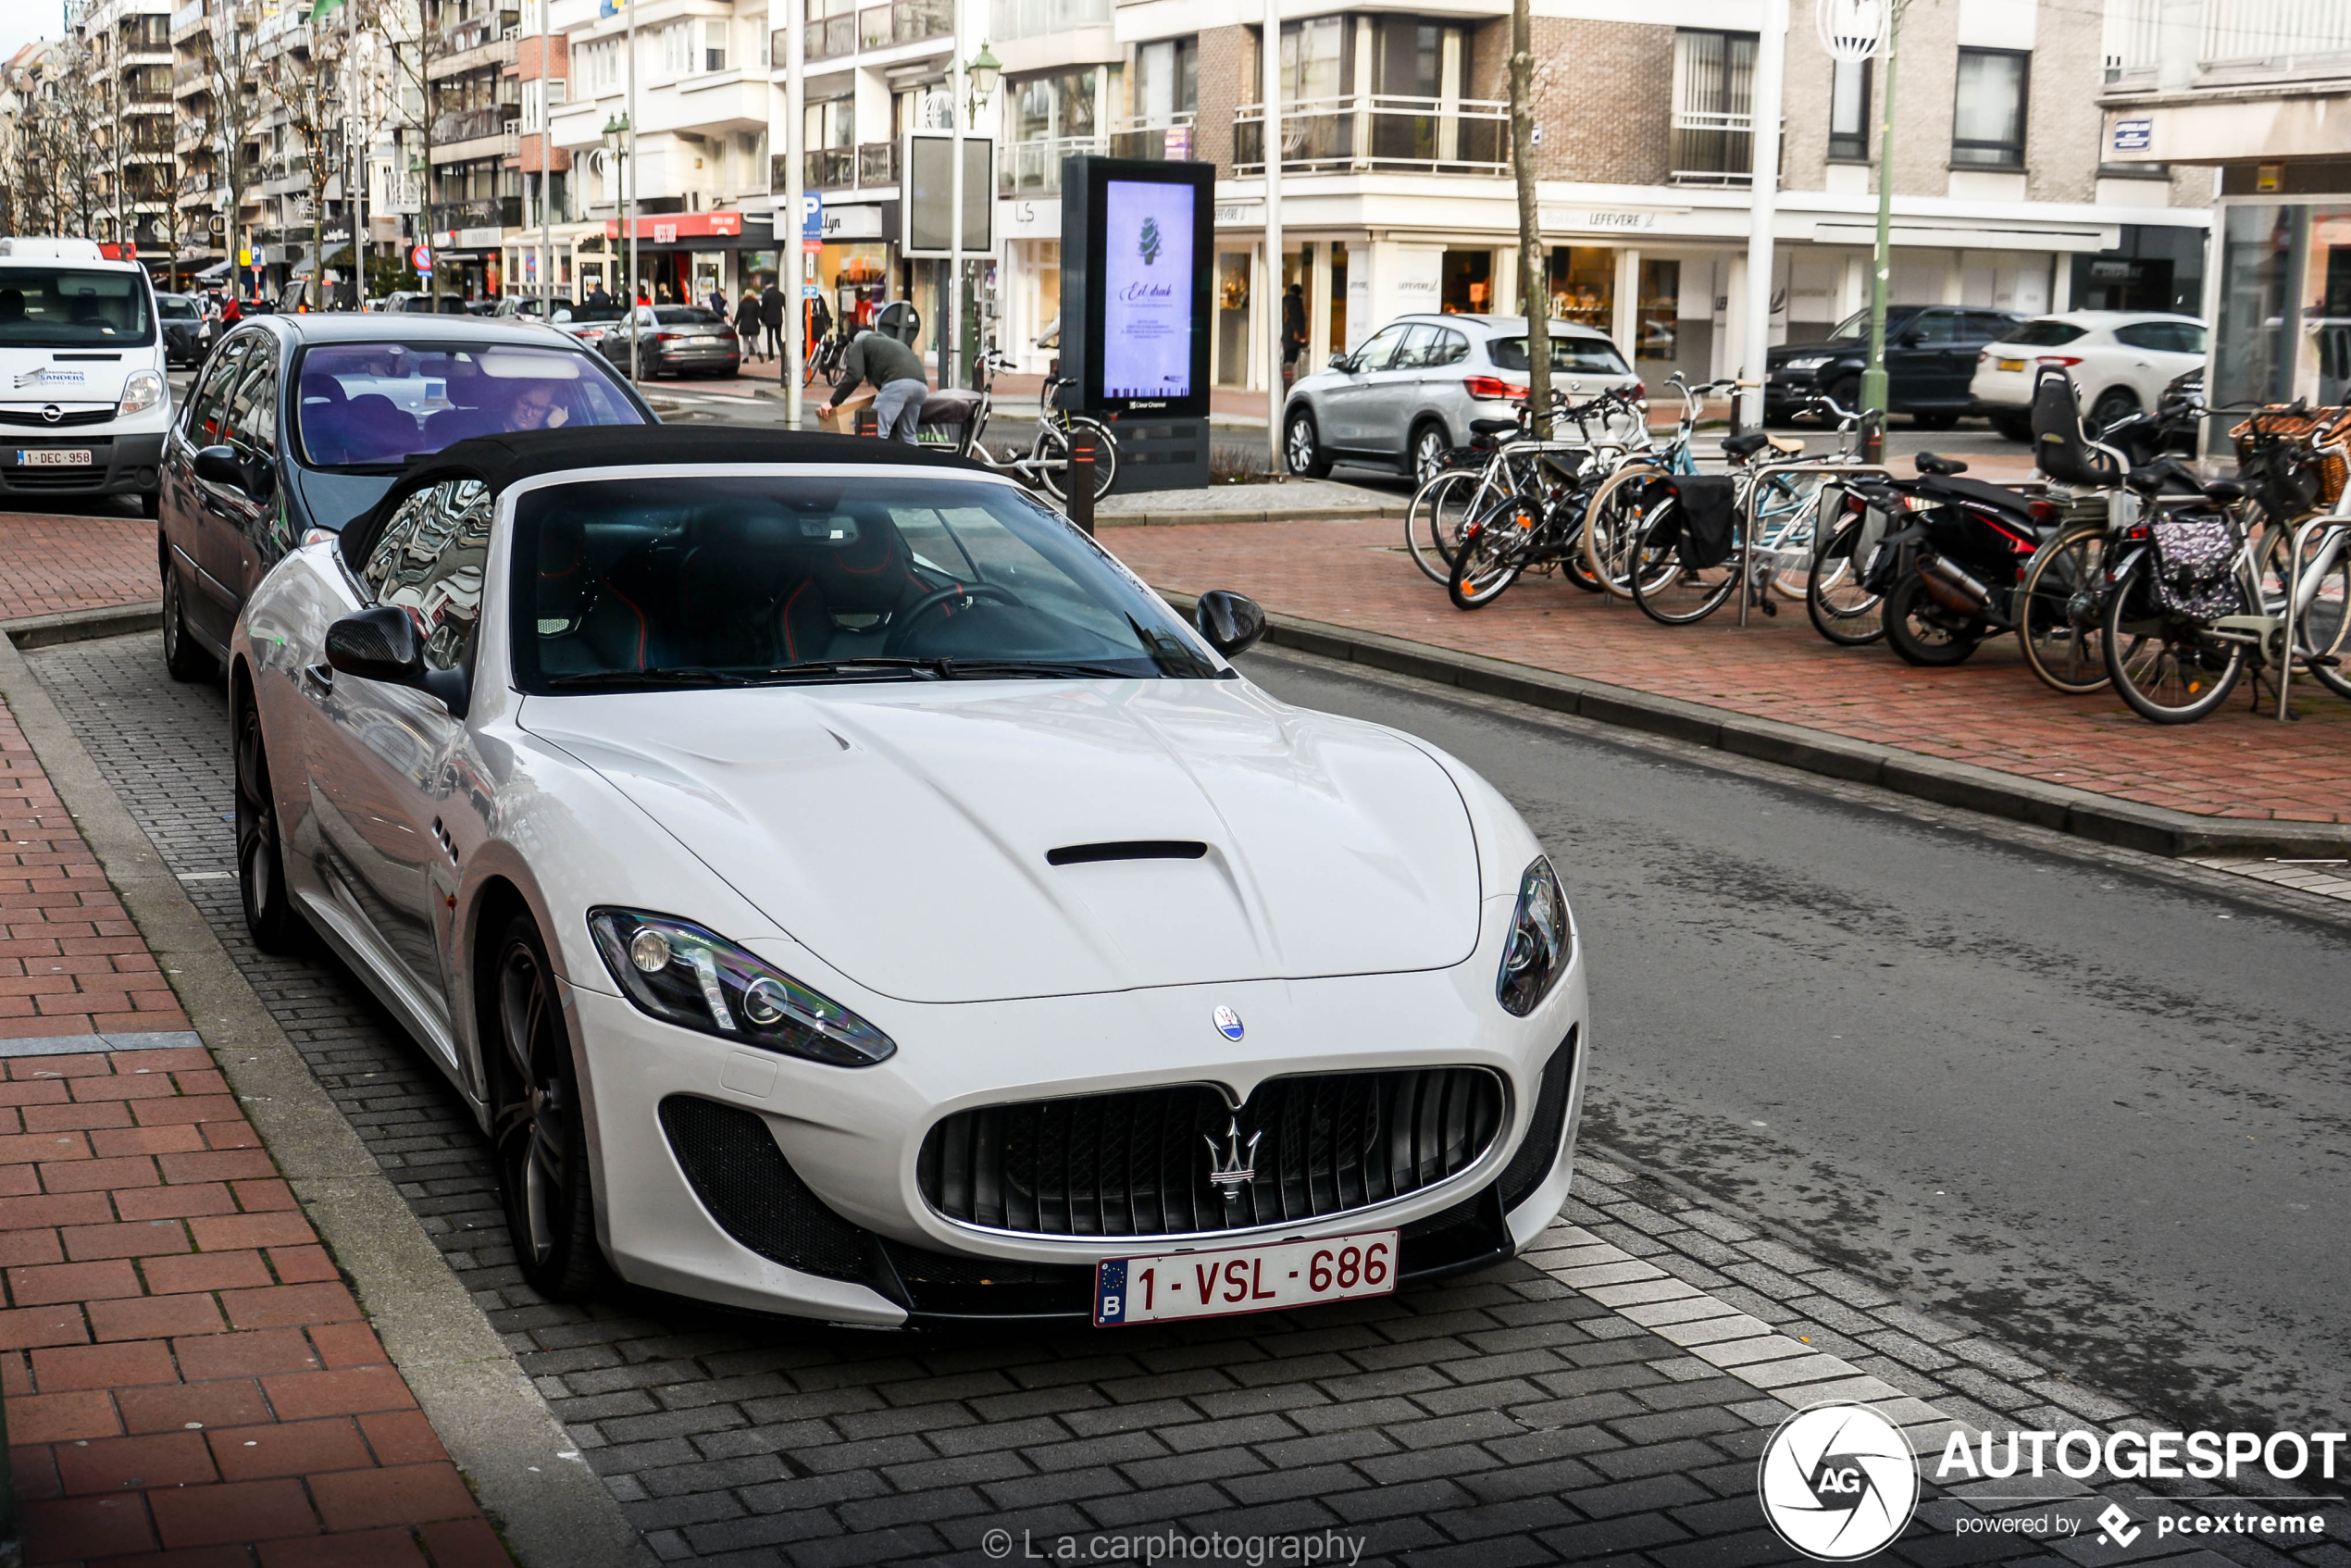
(618, 139)
(1763, 162)
(1270, 89)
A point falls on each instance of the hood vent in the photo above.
(1131, 849)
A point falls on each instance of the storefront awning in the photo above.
(698, 231)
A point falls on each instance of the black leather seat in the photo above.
(1492, 427)
(1740, 446)
(950, 405)
(1928, 463)
(2061, 446)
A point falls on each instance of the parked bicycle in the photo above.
(957, 419)
(1527, 509)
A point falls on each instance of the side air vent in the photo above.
(1132, 849)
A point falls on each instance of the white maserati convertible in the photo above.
(841, 889)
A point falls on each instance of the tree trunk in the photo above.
(1534, 285)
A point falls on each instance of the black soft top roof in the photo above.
(503, 460)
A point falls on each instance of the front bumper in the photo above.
(120, 464)
(780, 1186)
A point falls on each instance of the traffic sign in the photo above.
(812, 216)
(421, 259)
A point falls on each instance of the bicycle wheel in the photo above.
(1668, 589)
(1921, 632)
(1051, 456)
(2164, 666)
(1489, 559)
(1840, 608)
(1570, 514)
(1784, 524)
(2060, 612)
(1438, 517)
(1613, 527)
(2322, 628)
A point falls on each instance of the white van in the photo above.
(84, 394)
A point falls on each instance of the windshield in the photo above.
(376, 404)
(2045, 334)
(1570, 357)
(639, 584)
(63, 307)
(687, 316)
(598, 312)
(177, 308)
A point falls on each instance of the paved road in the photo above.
(2107, 1118)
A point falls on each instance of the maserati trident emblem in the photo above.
(1233, 1166)
(1229, 1023)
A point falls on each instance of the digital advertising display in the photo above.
(1136, 237)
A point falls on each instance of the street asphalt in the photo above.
(2095, 1113)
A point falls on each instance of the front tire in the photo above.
(539, 1133)
(1302, 451)
(1428, 448)
(271, 919)
(2114, 406)
(2060, 619)
(2161, 664)
(183, 658)
(1050, 457)
(1840, 608)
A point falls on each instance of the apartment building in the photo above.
(128, 44)
(1397, 192)
(472, 108)
(700, 174)
(2257, 95)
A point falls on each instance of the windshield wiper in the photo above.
(657, 676)
(1045, 669)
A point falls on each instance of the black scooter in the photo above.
(1950, 571)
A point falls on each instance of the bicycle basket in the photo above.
(1703, 537)
(2194, 560)
(2293, 473)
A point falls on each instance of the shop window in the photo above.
(1987, 123)
(1661, 308)
(1584, 286)
(1467, 282)
(1232, 318)
(1849, 112)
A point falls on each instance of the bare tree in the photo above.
(412, 44)
(304, 78)
(236, 113)
(1534, 265)
(72, 113)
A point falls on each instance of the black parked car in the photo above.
(187, 333)
(1930, 359)
(297, 424)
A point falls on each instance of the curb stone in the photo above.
(2080, 812)
(548, 1505)
(29, 632)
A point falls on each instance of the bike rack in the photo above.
(2294, 600)
(1747, 508)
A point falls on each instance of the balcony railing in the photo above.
(188, 16)
(828, 38)
(1712, 149)
(1167, 138)
(904, 21)
(839, 168)
(479, 212)
(1421, 135)
(2237, 38)
(1033, 169)
(829, 169)
(877, 163)
(470, 125)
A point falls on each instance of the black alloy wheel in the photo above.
(271, 919)
(539, 1137)
(183, 659)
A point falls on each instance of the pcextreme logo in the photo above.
(1838, 1481)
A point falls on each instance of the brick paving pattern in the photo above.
(71, 963)
(57, 563)
(1989, 712)
(185, 1369)
(1562, 1408)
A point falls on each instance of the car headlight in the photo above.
(698, 979)
(142, 392)
(1541, 942)
(1813, 364)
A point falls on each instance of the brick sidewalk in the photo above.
(184, 1369)
(57, 563)
(1989, 712)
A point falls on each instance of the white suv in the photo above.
(84, 395)
(2119, 361)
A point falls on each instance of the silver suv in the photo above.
(1410, 392)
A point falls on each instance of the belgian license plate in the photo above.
(52, 457)
(701, 342)
(2011, 363)
(1250, 1279)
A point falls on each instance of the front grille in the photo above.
(1139, 1163)
(76, 417)
(37, 479)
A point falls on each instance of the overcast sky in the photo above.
(21, 21)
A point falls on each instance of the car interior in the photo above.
(734, 581)
(368, 405)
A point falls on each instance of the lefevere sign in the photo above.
(1137, 238)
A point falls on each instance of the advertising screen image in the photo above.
(1148, 289)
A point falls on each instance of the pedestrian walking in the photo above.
(895, 372)
(747, 326)
(771, 317)
(1293, 330)
(716, 300)
(598, 296)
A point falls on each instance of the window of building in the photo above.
(1987, 123)
(1415, 58)
(676, 48)
(1166, 80)
(832, 123)
(714, 43)
(1053, 107)
(1849, 111)
(1713, 137)
(1318, 59)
